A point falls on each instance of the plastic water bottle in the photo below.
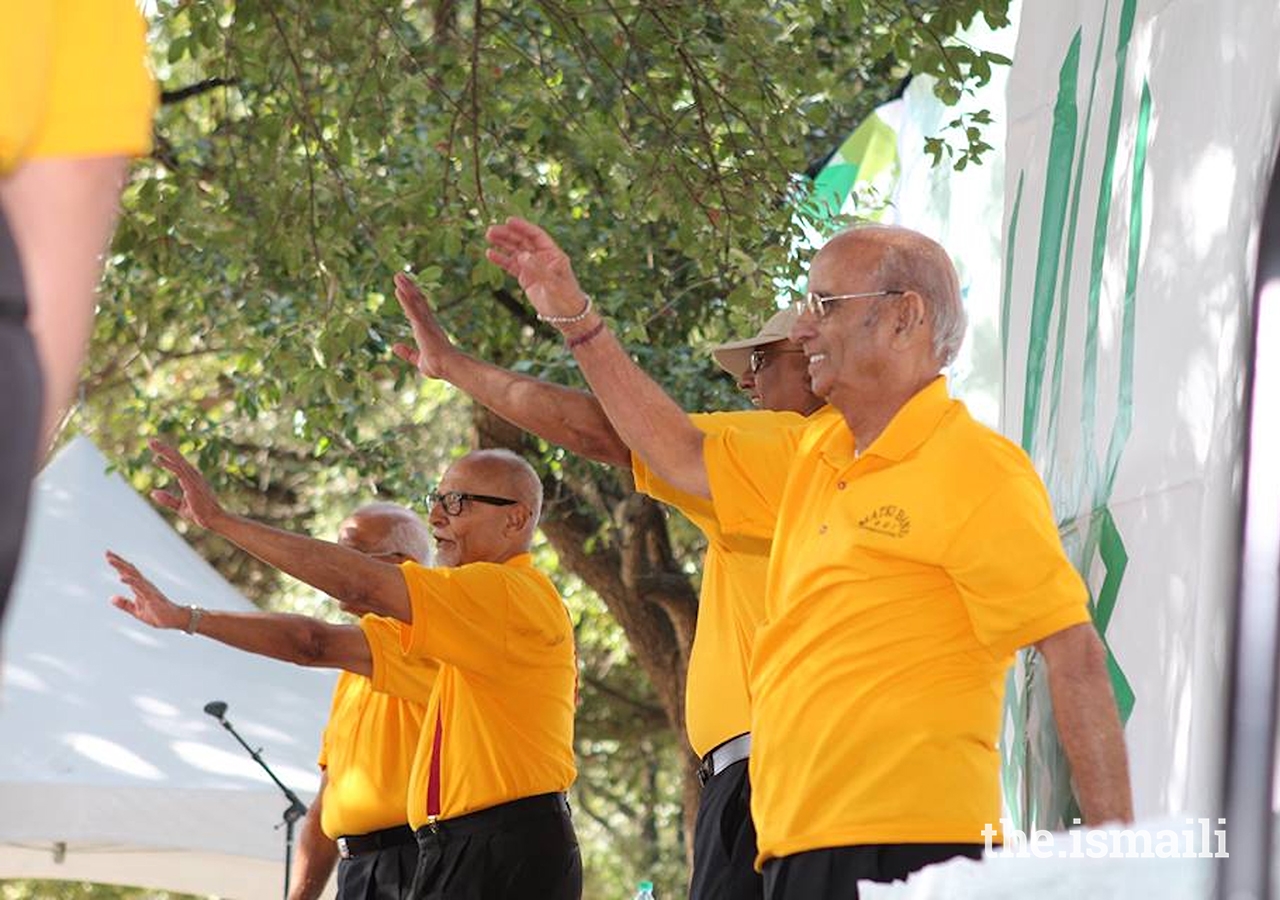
(644, 891)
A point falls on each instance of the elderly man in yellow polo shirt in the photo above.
(914, 552)
(773, 372)
(369, 744)
(487, 789)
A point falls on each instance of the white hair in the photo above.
(406, 534)
(910, 260)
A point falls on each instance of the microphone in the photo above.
(216, 708)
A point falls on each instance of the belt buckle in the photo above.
(343, 850)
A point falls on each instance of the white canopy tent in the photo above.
(109, 769)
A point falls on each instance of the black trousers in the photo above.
(724, 840)
(522, 849)
(385, 874)
(20, 402)
(833, 874)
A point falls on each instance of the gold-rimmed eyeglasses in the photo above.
(816, 304)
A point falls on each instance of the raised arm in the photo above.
(571, 418)
(1088, 723)
(647, 420)
(296, 639)
(359, 582)
(316, 854)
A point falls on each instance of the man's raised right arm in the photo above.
(291, 638)
(645, 418)
(571, 418)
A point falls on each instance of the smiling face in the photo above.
(484, 532)
(848, 349)
(780, 381)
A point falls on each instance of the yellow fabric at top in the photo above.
(370, 740)
(73, 80)
(731, 601)
(900, 585)
(505, 694)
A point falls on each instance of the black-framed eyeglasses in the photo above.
(452, 500)
(817, 304)
(760, 358)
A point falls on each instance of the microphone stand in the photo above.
(295, 811)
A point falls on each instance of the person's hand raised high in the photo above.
(545, 274)
(197, 503)
(434, 348)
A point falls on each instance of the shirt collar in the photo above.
(520, 559)
(914, 422)
(907, 430)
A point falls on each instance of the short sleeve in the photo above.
(1008, 564)
(748, 470)
(394, 672)
(698, 509)
(459, 614)
(101, 94)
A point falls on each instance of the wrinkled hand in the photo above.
(542, 268)
(197, 503)
(149, 605)
(434, 346)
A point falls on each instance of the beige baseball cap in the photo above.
(734, 356)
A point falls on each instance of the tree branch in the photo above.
(177, 95)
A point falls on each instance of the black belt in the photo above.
(355, 844)
(724, 755)
(13, 309)
(496, 817)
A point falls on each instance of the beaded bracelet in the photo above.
(567, 320)
(589, 335)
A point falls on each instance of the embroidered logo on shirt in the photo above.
(891, 521)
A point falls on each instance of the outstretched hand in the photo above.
(197, 503)
(434, 346)
(545, 274)
(149, 605)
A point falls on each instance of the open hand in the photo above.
(197, 503)
(434, 346)
(542, 268)
(149, 605)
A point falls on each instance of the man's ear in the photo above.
(910, 321)
(517, 518)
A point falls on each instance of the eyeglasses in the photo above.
(816, 304)
(760, 358)
(452, 500)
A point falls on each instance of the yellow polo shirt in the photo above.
(73, 80)
(901, 583)
(503, 703)
(371, 738)
(731, 601)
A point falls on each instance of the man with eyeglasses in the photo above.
(914, 552)
(367, 749)
(494, 758)
(772, 371)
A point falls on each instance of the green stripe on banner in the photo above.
(1006, 302)
(1069, 255)
(1052, 214)
(1089, 393)
(1115, 560)
(1124, 402)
